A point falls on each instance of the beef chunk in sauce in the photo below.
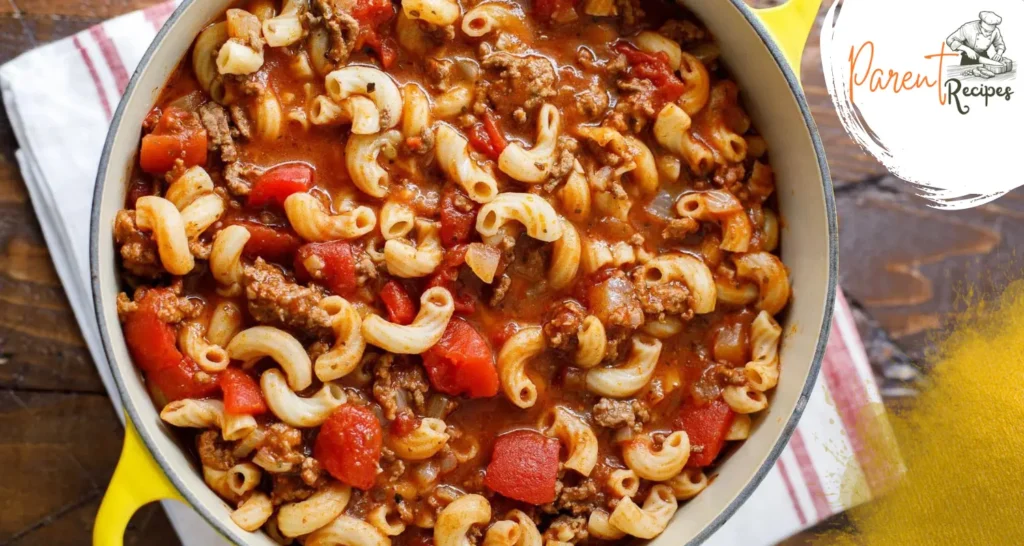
(563, 325)
(217, 122)
(139, 254)
(525, 81)
(273, 299)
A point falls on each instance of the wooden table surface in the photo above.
(902, 266)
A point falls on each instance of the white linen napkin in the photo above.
(60, 99)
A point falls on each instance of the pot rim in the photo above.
(787, 431)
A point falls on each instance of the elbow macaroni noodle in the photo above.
(295, 410)
(258, 342)
(159, 215)
(226, 259)
(209, 414)
(771, 277)
(435, 12)
(657, 465)
(515, 353)
(423, 442)
(407, 261)
(313, 222)
(349, 345)
(532, 166)
(533, 212)
(626, 380)
(565, 257)
(451, 150)
(576, 435)
(372, 83)
(688, 270)
(649, 521)
(455, 520)
(361, 153)
(436, 309)
(347, 531)
(303, 517)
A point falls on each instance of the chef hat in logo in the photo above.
(990, 18)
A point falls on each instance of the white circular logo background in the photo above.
(915, 125)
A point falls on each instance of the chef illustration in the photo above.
(974, 40)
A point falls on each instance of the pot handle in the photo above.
(137, 481)
(790, 24)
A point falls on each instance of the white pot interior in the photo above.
(807, 239)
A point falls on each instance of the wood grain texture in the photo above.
(902, 267)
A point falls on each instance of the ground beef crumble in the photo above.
(341, 26)
(574, 499)
(214, 452)
(238, 177)
(273, 299)
(525, 81)
(679, 228)
(563, 325)
(567, 529)
(671, 297)
(289, 488)
(139, 253)
(399, 383)
(683, 32)
(617, 413)
(171, 308)
(217, 121)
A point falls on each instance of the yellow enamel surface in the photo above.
(137, 481)
(790, 24)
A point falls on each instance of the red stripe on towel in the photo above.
(157, 14)
(792, 492)
(810, 475)
(110, 55)
(95, 77)
(849, 391)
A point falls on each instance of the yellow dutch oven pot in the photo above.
(762, 49)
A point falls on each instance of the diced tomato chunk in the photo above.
(151, 341)
(404, 423)
(275, 185)
(706, 425)
(276, 244)
(183, 380)
(487, 138)
(524, 467)
(494, 132)
(462, 362)
(178, 135)
(386, 47)
(349, 446)
(371, 13)
(152, 344)
(159, 152)
(333, 264)
(242, 394)
(456, 224)
(480, 142)
(447, 274)
(653, 67)
(399, 305)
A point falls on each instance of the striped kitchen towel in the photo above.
(60, 99)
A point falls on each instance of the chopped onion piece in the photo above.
(483, 260)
